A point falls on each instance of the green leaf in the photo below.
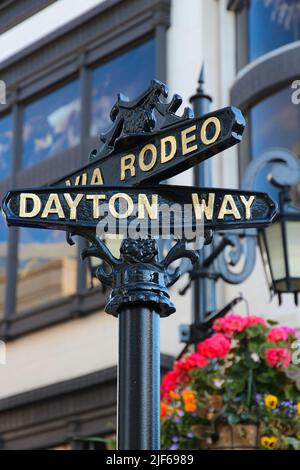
(232, 419)
(292, 441)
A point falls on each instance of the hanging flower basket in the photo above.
(239, 390)
(238, 437)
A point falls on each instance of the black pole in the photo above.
(139, 297)
(139, 379)
(204, 300)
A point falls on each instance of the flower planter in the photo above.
(244, 370)
(238, 437)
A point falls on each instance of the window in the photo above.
(266, 25)
(46, 267)
(275, 122)
(5, 146)
(272, 24)
(51, 124)
(129, 73)
(3, 254)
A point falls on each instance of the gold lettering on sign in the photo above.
(147, 166)
(112, 208)
(247, 203)
(163, 151)
(97, 177)
(228, 207)
(96, 198)
(203, 133)
(23, 212)
(203, 207)
(56, 209)
(143, 203)
(81, 180)
(73, 204)
(185, 139)
(127, 164)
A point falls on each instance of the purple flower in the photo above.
(175, 439)
(173, 447)
(290, 330)
(180, 413)
(177, 419)
(190, 435)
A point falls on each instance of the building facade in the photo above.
(63, 63)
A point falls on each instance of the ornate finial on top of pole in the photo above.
(200, 100)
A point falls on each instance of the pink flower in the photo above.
(278, 357)
(253, 320)
(290, 331)
(215, 346)
(277, 333)
(230, 323)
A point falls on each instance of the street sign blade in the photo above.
(82, 208)
(153, 157)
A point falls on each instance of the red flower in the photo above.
(278, 357)
(230, 323)
(196, 360)
(169, 382)
(215, 346)
(277, 333)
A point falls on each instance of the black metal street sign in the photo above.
(146, 144)
(132, 153)
(79, 208)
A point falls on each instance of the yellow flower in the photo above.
(269, 442)
(271, 401)
(174, 395)
(298, 407)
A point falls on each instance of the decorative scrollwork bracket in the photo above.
(138, 276)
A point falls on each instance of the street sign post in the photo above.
(113, 190)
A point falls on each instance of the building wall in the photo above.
(200, 31)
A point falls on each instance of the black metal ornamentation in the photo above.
(135, 120)
(138, 276)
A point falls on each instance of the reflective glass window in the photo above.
(5, 146)
(51, 124)
(129, 73)
(47, 267)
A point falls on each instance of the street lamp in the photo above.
(280, 249)
(280, 242)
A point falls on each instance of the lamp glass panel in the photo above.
(276, 250)
(293, 246)
(265, 259)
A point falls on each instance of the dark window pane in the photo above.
(129, 74)
(3, 254)
(5, 146)
(47, 267)
(275, 122)
(271, 24)
(51, 124)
